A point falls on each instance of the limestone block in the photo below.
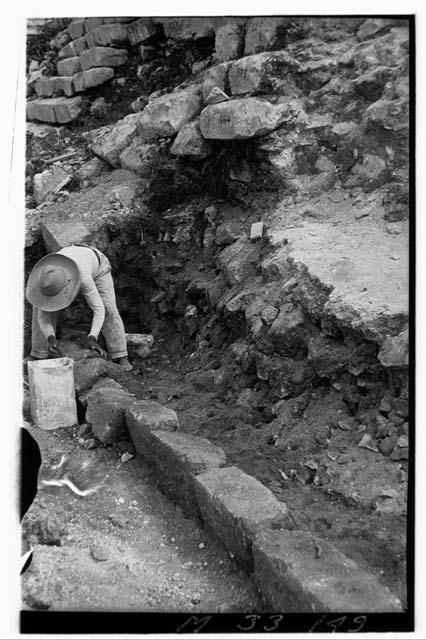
(165, 115)
(103, 57)
(297, 572)
(141, 30)
(139, 157)
(57, 235)
(229, 41)
(215, 77)
(190, 143)
(240, 119)
(68, 67)
(111, 144)
(106, 408)
(107, 35)
(49, 182)
(92, 78)
(47, 87)
(54, 110)
(235, 506)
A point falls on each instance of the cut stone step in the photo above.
(299, 573)
(107, 35)
(235, 506)
(54, 110)
(176, 459)
(92, 78)
(103, 57)
(68, 67)
(47, 87)
(145, 416)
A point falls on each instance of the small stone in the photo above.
(402, 441)
(99, 553)
(84, 429)
(394, 228)
(201, 545)
(195, 599)
(121, 500)
(367, 442)
(81, 442)
(118, 519)
(344, 426)
(256, 231)
(90, 443)
(126, 457)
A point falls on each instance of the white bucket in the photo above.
(52, 393)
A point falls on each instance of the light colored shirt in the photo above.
(88, 266)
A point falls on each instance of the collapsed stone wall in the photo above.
(283, 113)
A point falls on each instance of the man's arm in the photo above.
(94, 300)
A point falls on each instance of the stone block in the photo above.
(92, 23)
(79, 45)
(102, 383)
(139, 157)
(46, 87)
(57, 235)
(54, 110)
(92, 78)
(106, 409)
(176, 458)
(87, 372)
(189, 143)
(259, 73)
(68, 67)
(229, 41)
(235, 506)
(215, 77)
(240, 119)
(188, 29)
(394, 350)
(145, 416)
(103, 57)
(49, 182)
(238, 261)
(112, 143)
(107, 35)
(289, 331)
(141, 30)
(263, 34)
(164, 116)
(76, 29)
(67, 51)
(298, 573)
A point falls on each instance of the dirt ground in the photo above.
(373, 537)
(125, 547)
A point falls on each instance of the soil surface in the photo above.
(373, 537)
(125, 547)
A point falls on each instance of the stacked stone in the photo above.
(95, 47)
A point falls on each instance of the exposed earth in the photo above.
(125, 547)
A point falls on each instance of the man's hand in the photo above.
(54, 349)
(92, 344)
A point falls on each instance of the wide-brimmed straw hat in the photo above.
(53, 283)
